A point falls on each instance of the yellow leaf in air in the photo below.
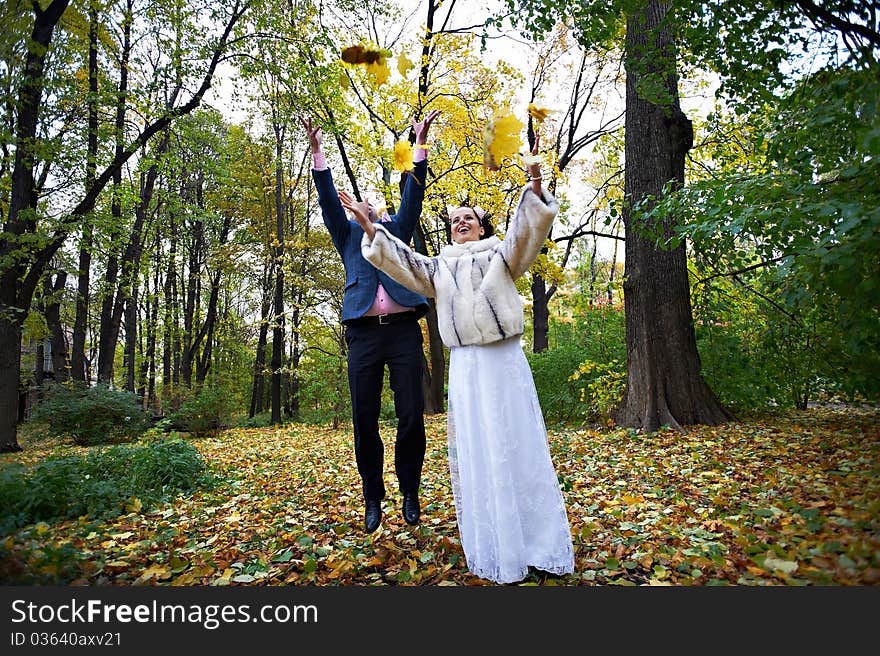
(404, 64)
(403, 156)
(500, 140)
(379, 71)
(539, 113)
(359, 54)
(134, 505)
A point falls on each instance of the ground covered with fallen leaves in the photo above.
(791, 499)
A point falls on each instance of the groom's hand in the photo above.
(420, 128)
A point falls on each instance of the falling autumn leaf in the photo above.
(404, 65)
(501, 139)
(359, 54)
(403, 156)
(374, 60)
(379, 71)
(539, 113)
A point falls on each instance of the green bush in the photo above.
(324, 395)
(601, 387)
(206, 412)
(100, 483)
(90, 415)
(261, 420)
(580, 377)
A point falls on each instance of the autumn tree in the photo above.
(30, 239)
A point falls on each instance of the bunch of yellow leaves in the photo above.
(374, 60)
(500, 140)
(403, 156)
(539, 113)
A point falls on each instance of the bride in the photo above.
(508, 504)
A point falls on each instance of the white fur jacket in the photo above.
(477, 300)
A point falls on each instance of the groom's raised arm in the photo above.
(331, 209)
(413, 195)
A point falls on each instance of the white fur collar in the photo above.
(468, 247)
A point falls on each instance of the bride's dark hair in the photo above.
(483, 217)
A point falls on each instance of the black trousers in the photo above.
(370, 348)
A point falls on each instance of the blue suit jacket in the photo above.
(362, 278)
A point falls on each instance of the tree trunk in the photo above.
(170, 338)
(80, 324)
(203, 363)
(131, 332)
(664, 385)
(192, 299)
(149, 374)
(14, 299)
(278, 318)
(434, 376)
(106, 334)
(52, 309)
(540, 314)
(260, 361)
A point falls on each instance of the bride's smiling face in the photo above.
(465, 225)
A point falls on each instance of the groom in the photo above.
(381, 320)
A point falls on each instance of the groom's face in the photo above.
(376, 202)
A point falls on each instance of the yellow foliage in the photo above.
(403, 156)
(539, 113)
(500, 140)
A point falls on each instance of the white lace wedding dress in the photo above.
(507, 499)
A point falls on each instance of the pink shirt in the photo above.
(383, 304)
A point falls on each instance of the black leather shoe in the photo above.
(372, 515)
(411, 508)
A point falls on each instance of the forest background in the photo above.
(164, 265)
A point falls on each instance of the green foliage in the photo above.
(90, 415)
(756, 355)
(324, 395)
(99, 484)
(207, 411)
(601, 386)
(732, 336)
(580, 377)
(260, 420)
(801, 223)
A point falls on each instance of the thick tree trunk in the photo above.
(78, 354)
(664, 385)
(540, 314)
(80, 324)
(14, 297)
(434, 376)
(10, 362)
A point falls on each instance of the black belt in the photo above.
(382, 319)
